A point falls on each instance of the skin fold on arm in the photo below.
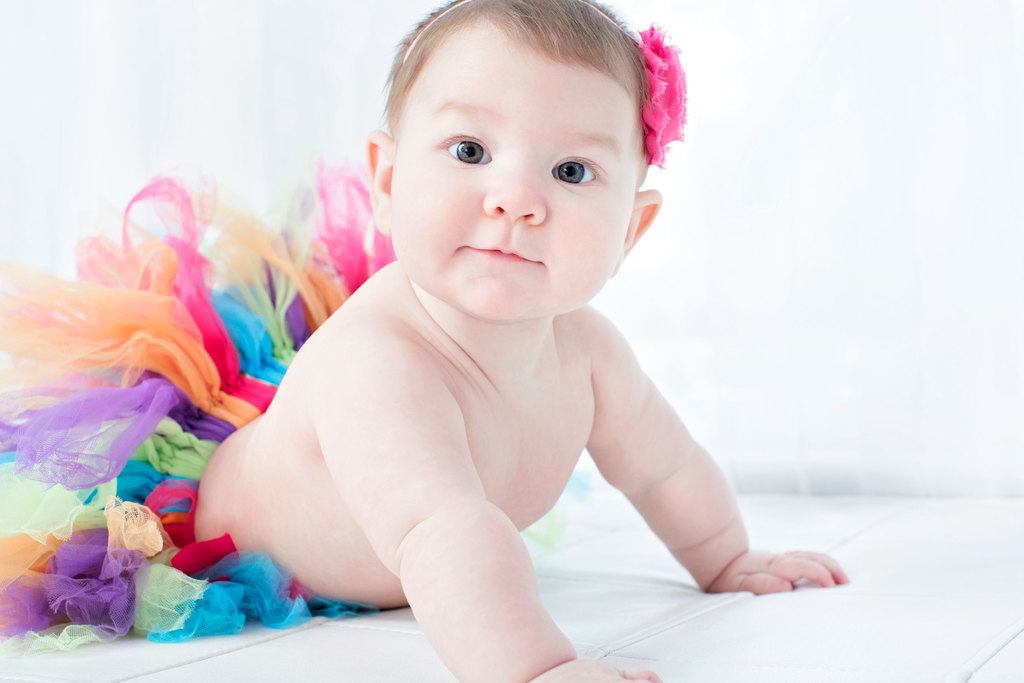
(401, 462)
(641, 446)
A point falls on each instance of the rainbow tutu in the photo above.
(118, 388)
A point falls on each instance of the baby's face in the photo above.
(499, 148)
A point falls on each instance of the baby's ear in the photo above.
(645, 208)
(380, 161)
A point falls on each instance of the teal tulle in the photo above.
(249, 335)
(255, 588)
(216, 613)
(137, 480)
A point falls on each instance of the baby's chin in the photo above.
(499, 298)
(496, 293)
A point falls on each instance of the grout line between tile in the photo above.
(986, 653)
(780, 666)
(651, 631)
(640, 582)
(277, 633)
(33, 679)
(365, 627)
(907, 508)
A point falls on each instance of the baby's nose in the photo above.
(516, 200)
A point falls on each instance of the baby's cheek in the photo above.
(601, 253)
(583, 274)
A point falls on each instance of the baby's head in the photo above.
(519, 126)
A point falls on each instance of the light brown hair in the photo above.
(566, 31)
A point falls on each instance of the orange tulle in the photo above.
(332, 294)
(248, 248)
(175, 518)
(60, 327)
(22, 553)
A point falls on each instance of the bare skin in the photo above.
(268, 485)
(442, 408)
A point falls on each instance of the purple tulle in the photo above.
(204, 426)
(295, 317)
(86, 584)
(192, 419)
(85, 438)
(23, 607)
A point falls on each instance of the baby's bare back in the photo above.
(268, 484)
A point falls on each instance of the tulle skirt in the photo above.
(119, 385)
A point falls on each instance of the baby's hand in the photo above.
(760, 572)
(593, 671)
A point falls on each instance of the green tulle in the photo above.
(167, 601)
(39, 509)
(174, 451)
(257, 300)
(546, 534)
(60, 638)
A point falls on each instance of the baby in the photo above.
(443, 408)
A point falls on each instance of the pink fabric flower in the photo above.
(664, 113)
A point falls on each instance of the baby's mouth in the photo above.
(498, 254)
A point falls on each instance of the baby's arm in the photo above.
(395, 443)
(641, 447)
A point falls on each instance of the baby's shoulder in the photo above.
(374, 365)
(580, 331)
(362, 345)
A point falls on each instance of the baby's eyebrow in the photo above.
(609, 142)
(597, 140)
(466, 108)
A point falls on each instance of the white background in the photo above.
(832, 297)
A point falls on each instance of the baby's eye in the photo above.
(469, 152)
(573, 172)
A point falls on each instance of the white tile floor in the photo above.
(935, 595)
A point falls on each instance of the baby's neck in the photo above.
(508, 354)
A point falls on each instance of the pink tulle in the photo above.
(383, 251)
(177, 209)
(345, 196)
(664, 113)
(172, 494)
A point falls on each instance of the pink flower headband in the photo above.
(664, 112)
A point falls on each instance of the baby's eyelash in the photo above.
(459, 138)
(594, 168)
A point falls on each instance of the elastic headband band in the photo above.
(463, 2)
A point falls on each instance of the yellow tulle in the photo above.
(167, 600)
(134, 526)
(37, 509)
(60, 638)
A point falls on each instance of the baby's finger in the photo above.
(833, 566)
(760, 583)
(796, 568)
(641, 675)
